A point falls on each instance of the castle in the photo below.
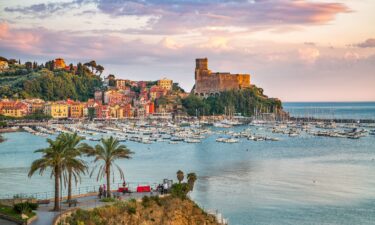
(209, 83)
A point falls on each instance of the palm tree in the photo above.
(107, 152)
(74, 166)
(53, 158)
(180, 176)
(191, 177)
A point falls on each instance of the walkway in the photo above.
(46, 216)
(6, 222)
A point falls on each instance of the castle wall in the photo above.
(208, 83)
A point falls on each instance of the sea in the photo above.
(304, 180)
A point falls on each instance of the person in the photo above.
(124, 184)
(104, 191)
(100, 191)
(165, 187)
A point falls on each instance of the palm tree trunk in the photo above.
(108, 181)
(69, 186)
(57, 190)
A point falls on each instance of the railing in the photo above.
(75, 191)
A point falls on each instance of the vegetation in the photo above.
(151, 210)
(74, 165)
(48, 83)
(61, 158)
(182, 189)
(246, 101)
(25, 207)
(17, 214)
(107, 153)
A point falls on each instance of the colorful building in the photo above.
(57, 110)
(75, 109)
(165, 84)
(13, 108)
(60, 63)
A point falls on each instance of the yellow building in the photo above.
(76, 110)
(165, 84)
(116, 111)
(57, 110)
(60, 63)
(13, 108)
(3, 65)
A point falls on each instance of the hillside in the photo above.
(151, 211)
(245, 101)
(31, 80)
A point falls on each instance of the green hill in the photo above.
(42, 81)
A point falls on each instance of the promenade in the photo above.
(46, 216)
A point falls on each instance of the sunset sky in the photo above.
(296, 50)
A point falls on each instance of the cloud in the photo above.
(170, 43)
(183, 16)
(369, 43)
(43, 10)
(308, 55)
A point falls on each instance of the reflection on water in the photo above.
(301, 180)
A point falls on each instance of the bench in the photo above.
(43, 202)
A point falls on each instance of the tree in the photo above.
(91, 64)
(99, 69)
(191, 177)
(29, 65)
(180, 176)
(105, 155)
(74, 166)
(53, 158)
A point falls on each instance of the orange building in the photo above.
(13, 108)
(60, 63)
(75, 109)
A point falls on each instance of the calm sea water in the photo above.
(304, 180)
(329, 110)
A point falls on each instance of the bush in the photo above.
(156, 199)
(132, 210)
(108, 200)
(180, 190)
(146, 201)
(25, 207)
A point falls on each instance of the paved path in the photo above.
(46, 216)
(6, 222)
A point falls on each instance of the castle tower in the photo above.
(201, 68)
(201, 64)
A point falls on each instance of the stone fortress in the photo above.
(209, 83)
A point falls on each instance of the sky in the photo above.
(296, 50)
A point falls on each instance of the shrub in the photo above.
(180, 190)
(108, 200)
(25, 207)
(156, 199)
(132, 210)
(146, 201)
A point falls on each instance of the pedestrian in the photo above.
(104, 191)
(100, 191)
(165, 187)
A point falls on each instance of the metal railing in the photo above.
(132, 186)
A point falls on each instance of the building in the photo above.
(113, 97)
(13, 108)
(121, 84)
(209, 83)
(75, 109)
(35, 105)
(3, 65)
(60, 63)
(98, 96)
(165, 84)
(157, 92)
(57, 110)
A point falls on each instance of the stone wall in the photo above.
(209, 83)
